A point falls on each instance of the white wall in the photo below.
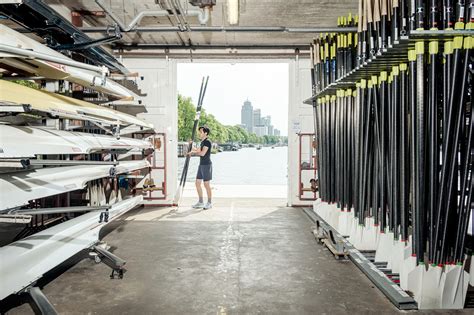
(299, 114)
(159, 82)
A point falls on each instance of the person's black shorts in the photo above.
(204, 172)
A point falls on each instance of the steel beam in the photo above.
(392, 291)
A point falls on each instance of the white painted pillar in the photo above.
(158, 79)
(300, 120)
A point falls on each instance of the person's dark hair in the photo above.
(206, 130)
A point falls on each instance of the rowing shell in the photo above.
(57, 105)
(16, 189)
(51, 70)
(39, 140)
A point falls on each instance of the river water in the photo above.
(248, 166)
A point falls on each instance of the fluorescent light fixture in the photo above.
(233, 11)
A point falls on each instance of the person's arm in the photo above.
(198, 151)
(202, 152)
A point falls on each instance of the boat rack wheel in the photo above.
(97, 259)
(95, 256)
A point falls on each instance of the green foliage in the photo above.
(219, 132)
(186, 114)
(27, 83)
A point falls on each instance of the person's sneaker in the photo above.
(198, 205)
(208, 205)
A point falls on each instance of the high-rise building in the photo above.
(260, 130)
(267, 122)
(276, 132)
(270, 130)
(257, 114)
(246, 116)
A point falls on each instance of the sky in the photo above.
(264, 84)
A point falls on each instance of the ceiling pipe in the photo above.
(217, 54)
(203, 16)
(182, 27)
(230, 29)
(179, 15)
(126, 47)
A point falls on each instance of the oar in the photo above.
(433, 156)
(378, 25)
(370, 28)
(466, 192)
(454, 126)
(364, 33)
(395, 18)
(420, 149)
(403, 17)
(449, 160)
(420, 15)
(180, 189)
(448, 16)
(383, 25)
(360, 16)
(403, 157)
(416, 223)
(383, 154)
(395, 152)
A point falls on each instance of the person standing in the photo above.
(204, 173)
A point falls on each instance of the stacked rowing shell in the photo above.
(50, 162)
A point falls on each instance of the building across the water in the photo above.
(246, 116)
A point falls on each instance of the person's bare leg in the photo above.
(207, 185)
(199, 189)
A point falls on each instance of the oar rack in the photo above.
(384, 59)
(395, 156)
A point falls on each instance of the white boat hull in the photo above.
(37, 140)
(65, 107)
(16, 189)
(25, 261)
(51, 70)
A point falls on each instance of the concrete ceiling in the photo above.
(252, 13)
(165, 38)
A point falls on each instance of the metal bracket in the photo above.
(28, 163)
(41, 301)
(117, 35)
(100, 254)
(58, 210)
(114, 129)
(104, 216)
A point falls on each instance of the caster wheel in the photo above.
(336, 256)
(97, 259)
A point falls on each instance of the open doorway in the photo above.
(246, 108)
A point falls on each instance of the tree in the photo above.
(218, 131)
(186, 115)
(244, 135)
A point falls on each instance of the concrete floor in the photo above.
(242, 257)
